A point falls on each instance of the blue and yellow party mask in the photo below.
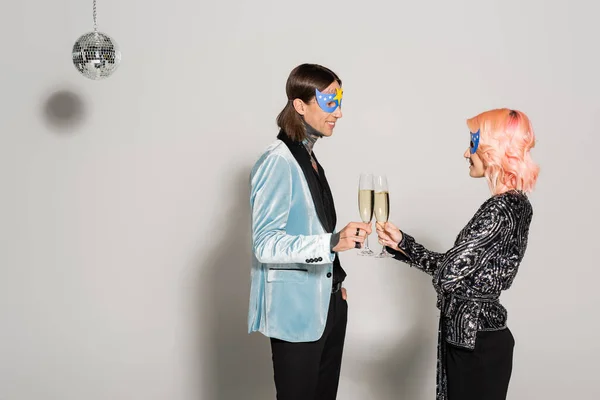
(474, 141)
(329, 102)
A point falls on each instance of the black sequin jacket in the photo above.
(484, 261)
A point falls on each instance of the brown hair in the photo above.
(301, 84)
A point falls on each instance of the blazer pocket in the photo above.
(296, 275)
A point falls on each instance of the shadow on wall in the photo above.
(236, 365)
(405, 374)
(63, 111)
(407, 370)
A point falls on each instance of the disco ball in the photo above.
(96, 55)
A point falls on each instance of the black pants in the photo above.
(311, 370)
(482, 374)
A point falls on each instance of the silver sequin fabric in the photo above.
(469, 278)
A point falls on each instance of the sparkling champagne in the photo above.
(366, 198)
(382, 206)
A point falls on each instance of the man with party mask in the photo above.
(296, 294)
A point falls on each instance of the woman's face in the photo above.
(318, 118)
(476, 167)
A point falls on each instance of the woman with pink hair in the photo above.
(475, 346)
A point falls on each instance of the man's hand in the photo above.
(344, 294)
(354, 232)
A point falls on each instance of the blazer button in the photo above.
(307, 260)
(329, 274)
(320, 259)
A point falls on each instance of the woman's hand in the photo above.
(389, 235)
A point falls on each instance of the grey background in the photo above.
(125, 248)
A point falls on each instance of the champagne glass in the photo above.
(382, 206)
(366, 198)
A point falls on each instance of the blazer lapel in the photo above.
(301, 155)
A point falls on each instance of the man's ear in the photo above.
(299, 106)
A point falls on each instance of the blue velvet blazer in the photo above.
(292, 264)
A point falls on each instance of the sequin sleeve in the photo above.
(417, 255)
(475, 245)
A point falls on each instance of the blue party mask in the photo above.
(329, 102)
(474, 141)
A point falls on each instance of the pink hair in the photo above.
(506, 138)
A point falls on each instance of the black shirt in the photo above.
(320, 191)
(338, 272)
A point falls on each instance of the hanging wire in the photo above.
(95, 24)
